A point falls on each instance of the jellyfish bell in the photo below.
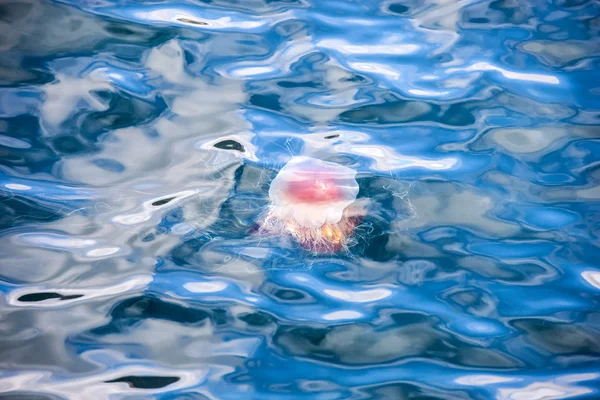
(313, 201)
(312, 192)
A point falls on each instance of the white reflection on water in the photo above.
(485, 66)
(17, 186)
(50, 240)
(95, 386)
(359, 296)
(180, 17)
(483, 380)
(148, 208)
(132, 284)
(388, 47)
(558, 388)
(342, 315)
(102, 252)
(592, 277)
(205, 287)
(376, 68)
(386, 159)
(65, 95)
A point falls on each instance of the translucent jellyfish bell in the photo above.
(312, 192)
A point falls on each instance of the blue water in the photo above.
(137, 143)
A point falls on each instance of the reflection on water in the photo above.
(138, 142)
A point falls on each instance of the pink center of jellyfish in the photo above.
(312, 192)
(313, 188)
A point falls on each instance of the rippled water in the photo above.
(138, 140)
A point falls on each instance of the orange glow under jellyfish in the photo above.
(314, 202)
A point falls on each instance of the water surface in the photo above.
(138, 140)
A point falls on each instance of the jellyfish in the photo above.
(314, 202)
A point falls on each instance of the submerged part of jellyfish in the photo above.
(314, 201)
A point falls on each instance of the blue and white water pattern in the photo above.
(138, 140)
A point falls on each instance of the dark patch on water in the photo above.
(398, 8)
(266, 101)
(457, 114)
(192, 21)
(162, 202)
(230, 145)
(36, 297)
(146, 382)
